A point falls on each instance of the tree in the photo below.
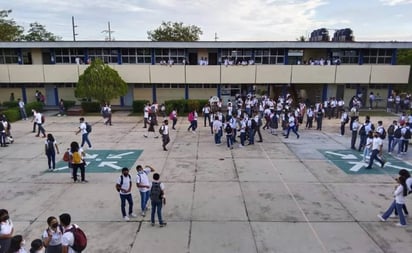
(100, 82)
(169, 31)
(405, 58)
(301, 38)
(9, 30)
(38, 32)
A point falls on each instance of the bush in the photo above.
(38, 106)
(138, 105)
(10, 104)
(12, 114)
(68, 103)
(90, 106)
(185, 105)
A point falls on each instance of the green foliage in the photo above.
(12, 114)
(38, 106)
(68, 103)
(9, 30)
(10, 104)
(138, 105)
(100, 82)
(185, 105)
(38, 32)
(90, 106)
(176, 31)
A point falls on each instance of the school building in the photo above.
(159, 71)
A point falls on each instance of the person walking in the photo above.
(124, 187)
(291, 126)
(164, 131)
(85, 133)
(157, 199)
(52, 236)
(151, 129)
(377, 144)
(39, 119)
(143, 184)
(50, 150)
(173, 118)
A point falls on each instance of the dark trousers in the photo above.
(206, 118)
(165, 140)
(309, 122)
(259, 133)
(362, 142)
(51, 160)
(34, 127)
(156, 206)
(174, 123)
(374, 156)
(82, 171)
(229, 140)
(123, 199)
(342, 128)
(40, 129)
(353, 140)
(85, 138)
(319, 123)
(293, 128)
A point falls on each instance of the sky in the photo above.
(228, 20)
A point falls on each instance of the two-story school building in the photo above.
(159, 71)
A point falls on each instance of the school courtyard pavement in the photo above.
(282, 195)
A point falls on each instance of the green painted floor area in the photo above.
(351, 162)
(101, 161)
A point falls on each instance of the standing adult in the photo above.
(354, 128)
(50, 150)
(157, 199)
(6, 230)
(164, 130)
(52, 236)
(377, 144)
(124, 187)
(143, 184)
(206, 114)
(85, 133)
(22, 109)
(391, 135)
(343, 120)
(77, 161)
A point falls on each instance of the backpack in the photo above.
(407, 134)
(155, 192)
(228, 129)
(398, 133)
(161, 129)
(66, 156)
(76, 158)
(391, 130)
(121, 180)
(383, 135)
(50, 146)
(362, 130)
(253, 124)
(43, 119)
(80, 239)
(346, 120)
(88, 128)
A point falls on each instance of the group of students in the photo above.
(58, 237)
(153, 190)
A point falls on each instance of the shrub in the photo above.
(138, 105)
(38, 106)
(10, 104)
(68, 103)
(90, 106)
(12, 114)
(180, 105)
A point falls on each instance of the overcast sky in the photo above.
(232, 20)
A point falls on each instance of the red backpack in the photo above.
(80, 239)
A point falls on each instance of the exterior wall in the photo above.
(36, 56)
(164, 94)
(61, 73)
(238, 74)
(4, 74)
(134, 73)
(273, 73)
(202, 93)
(313, 74)
(5, 94)
(353, 73)
(26, 73)
(167, 74)
(142, 94)
(31, 92)
(202, 74)
(390, 74)
(67, 93)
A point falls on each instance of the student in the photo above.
(77, 161)
(368, 147)
(85, 133)
(164, 130)
(17, 245)
(376, 150)
(68, 236)
(50, 150)
(124, 187)
(52, 236)
(37, 247)
(157, 198)
(143, 184)
(6, 230)
(399, 194)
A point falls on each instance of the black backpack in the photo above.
(253, 124)
(228, 129)
(88, 128)
(407, 134)
(362, 130)
(156, 192)
(398, 133)
(391, 130)
(383, 135)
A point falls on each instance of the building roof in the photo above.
(210, 44)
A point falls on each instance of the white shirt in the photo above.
(83, 127)
(398, 193)
(126, 184)
(291, 121)
(56, 236)
(409, 183)
(165, 129)
(376, 143)
(143, 178)
(68, 239)
(21, 104)
(37, 118)
(6, 227)
(217, 125)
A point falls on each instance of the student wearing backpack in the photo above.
(50, 150)
(229, 132)
(124, 188)
(52, 236)
(217, 130)
(39, 120)
(85, 133)
(73, 240)
(158, 199)
(164, 131)
(406, 136)
(391, 135)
